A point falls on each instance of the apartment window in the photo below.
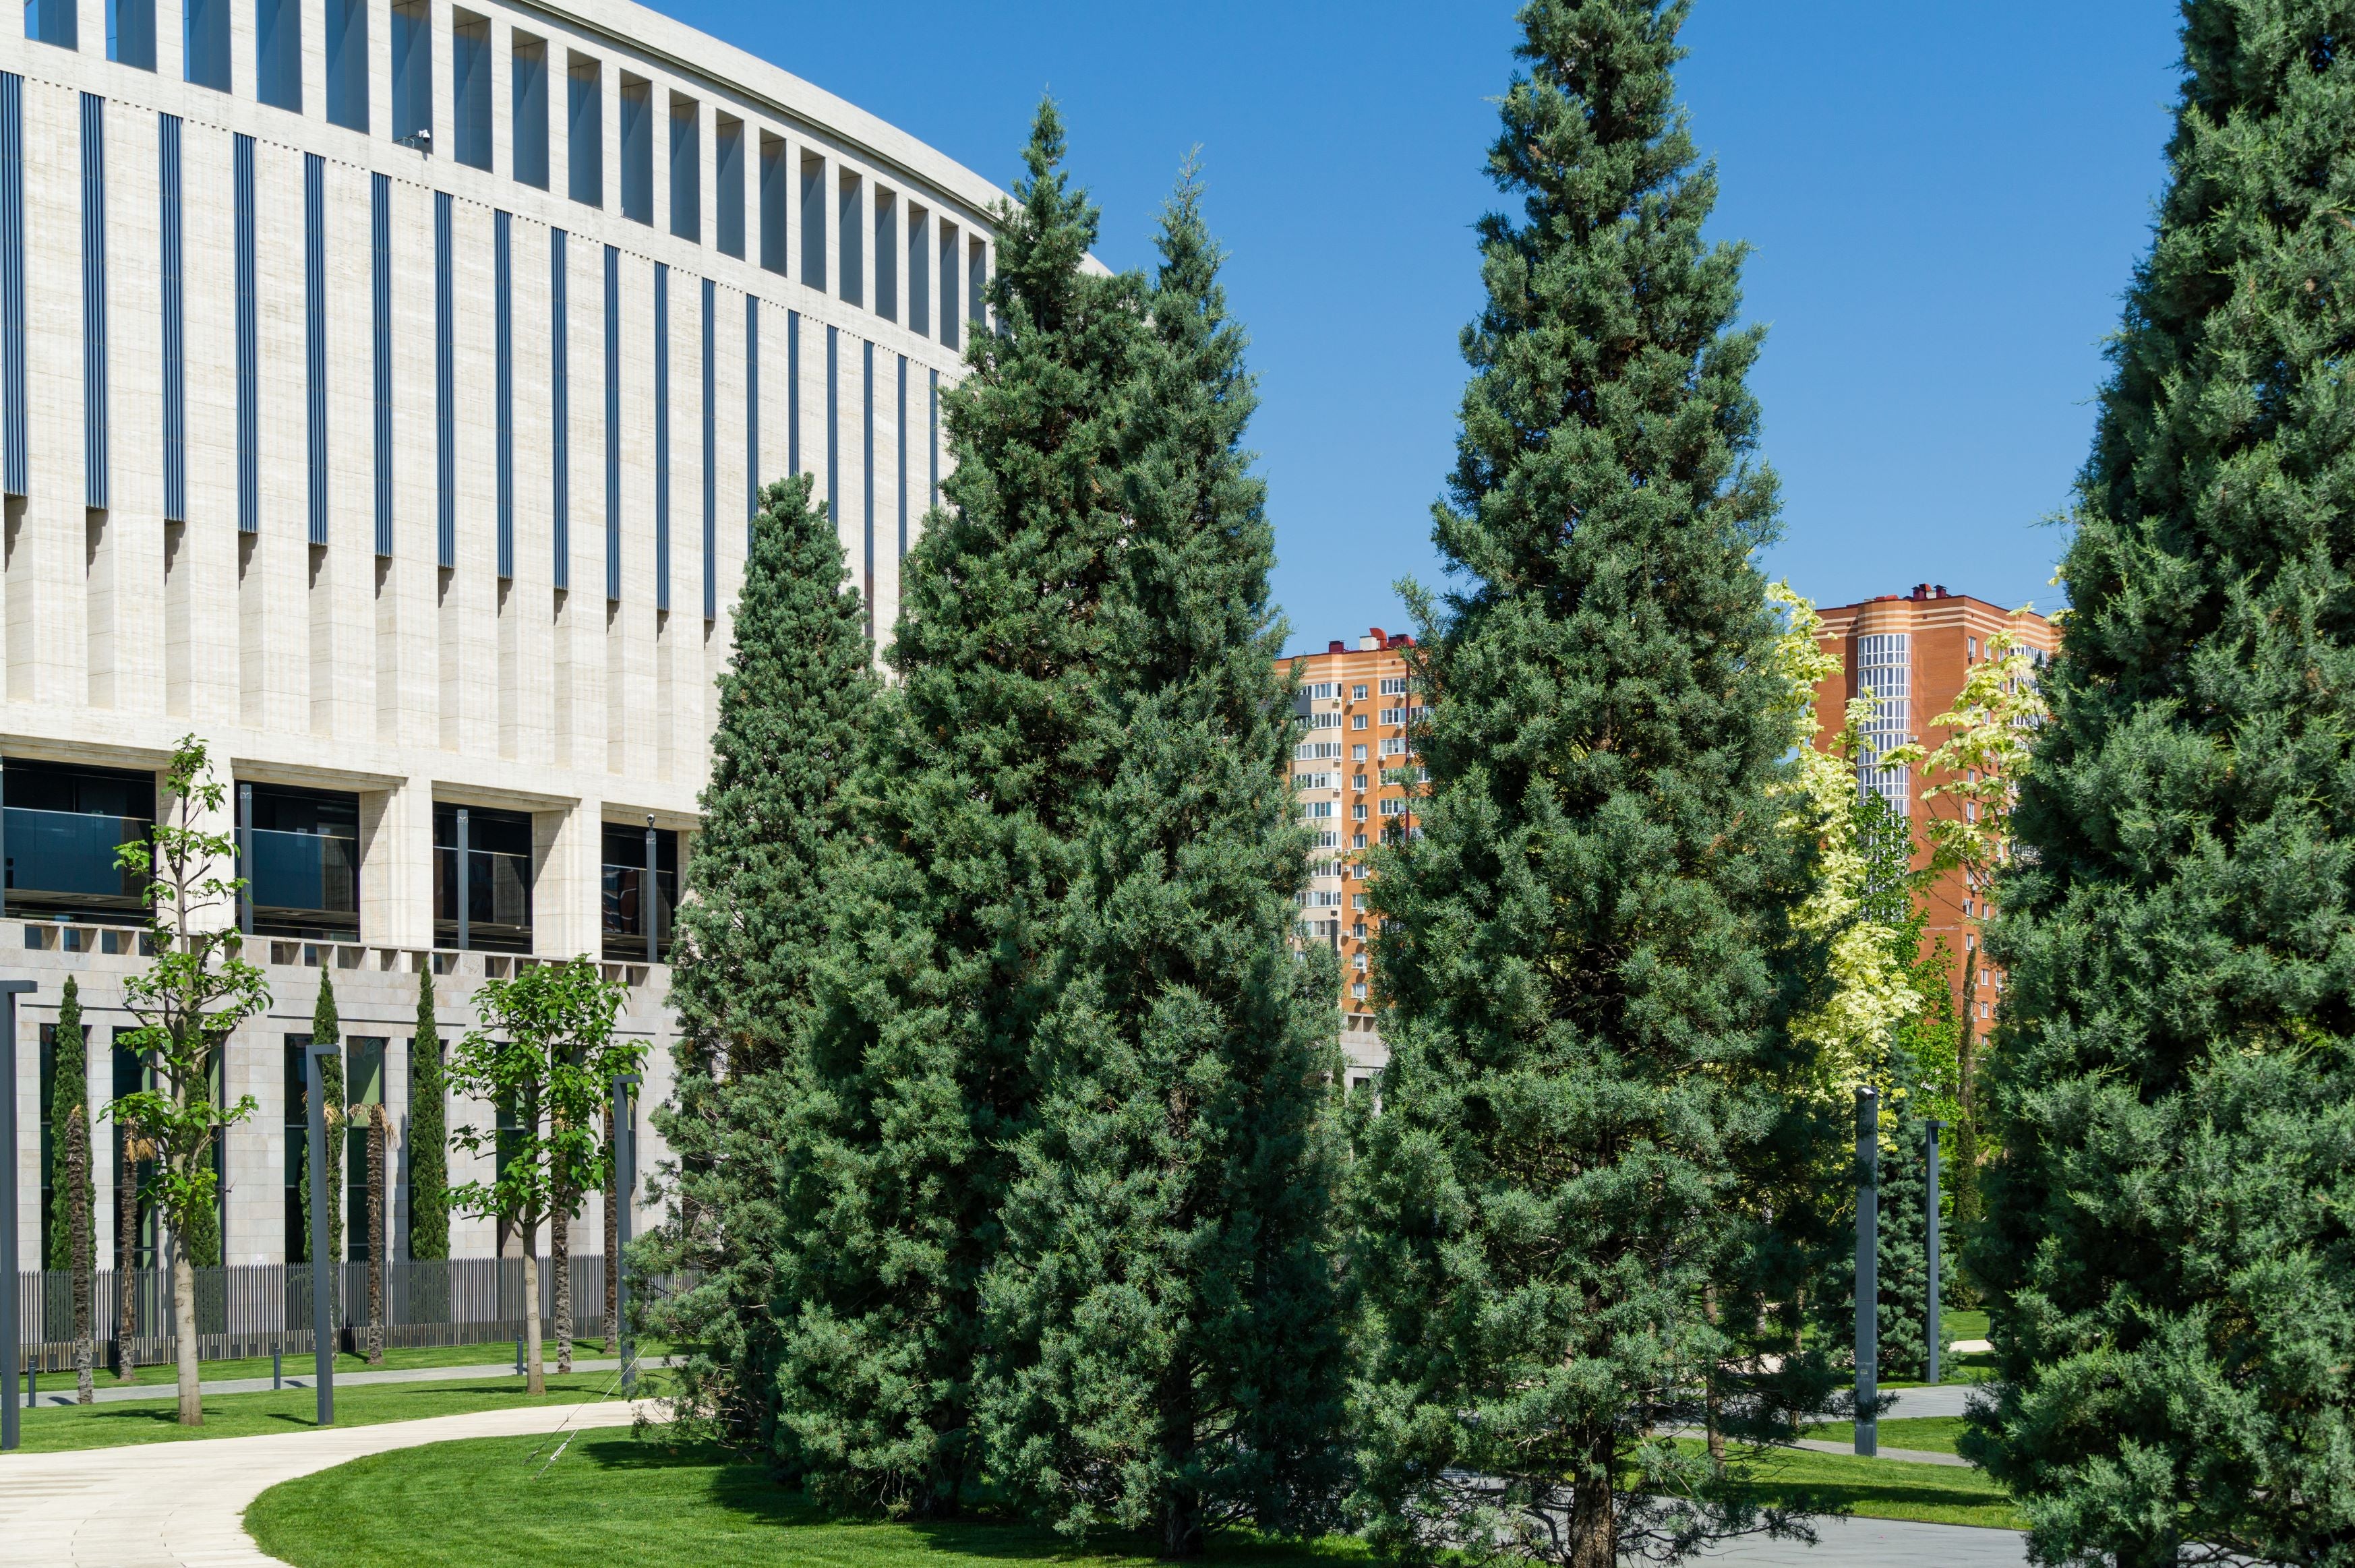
(976, 280)
(1884, 669)
(1356, 721)
(887, 255)
(710, 453)
(381, 334)
(314, 336)
(529, 86)
(584, 133)
(93, 300)
(249, 375)
(131, 33)
(300, 852)
(1357, 841)
(1973, 643)
(813, 223)
(1357, 692)
(662, 437)
(776, 194)
(637, 149)
(920, 271)
(948, 284)
(52, 22)
(686, 169)
(175, 319)
(628, 906)
(470, 88)
(482, 878)
(412, 73)
(12, 282)
(503, 389)
(445, 387)
(851, 262)
(559, 415)
(1357, 753)
(278, 53)
(1314, 809)
(346, 63)
(1392, 686)
(204, 41)
(728, 177)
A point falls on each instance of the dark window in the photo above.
(278, 53)
(497, 882)
(131, 33)
(412, 72)
(686, 169)
(728, 181)
(470, 88)
(348, 64)
(530, 112)
(627, 908)
(638, 150)
(204, 41)
(585, 134)
(304, 863)
(63, 825)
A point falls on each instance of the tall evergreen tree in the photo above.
(795, 704)
(429, 1133)
(73, 1247)
(1586, 955)
(987, 756)
(326, 1026)
(1163, 1321)
(2171, 1081)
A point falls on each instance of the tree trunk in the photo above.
(126, 1254)
(612, 1206)
(184, 1330)
(377, 1232)
(1965, 1174)
(560, 1257)
(1593, 1538)
(78, 1205)
(1715, 1395)
(535, 1376)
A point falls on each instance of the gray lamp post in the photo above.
(465, 880)
(626, 1160)
(9, 991)
(649, 903)
(1931, 1213)
(1868, 1270)
(322, 1354)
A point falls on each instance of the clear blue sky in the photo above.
(1945, 200)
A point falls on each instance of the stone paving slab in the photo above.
(182, 1504)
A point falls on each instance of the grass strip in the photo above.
(493, 1352)
(50, 1430)
(1929, 1433)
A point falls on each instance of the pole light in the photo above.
(625, 1159)
(1868, 1270)
(9, 991)
(649, 904)
(1931, 1209)
(465, 882)
(323, 1355)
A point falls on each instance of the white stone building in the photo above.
(383, 390)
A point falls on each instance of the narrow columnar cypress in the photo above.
(429, 1133)
(795, 703)
(2171, 1085)
(328, 1086)
(1164, 1322)
(988, 753)
(1585, 956)
(69, 1107)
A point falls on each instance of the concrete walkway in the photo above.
(110, 1394)
(1878, 1543)
(182, 1504)
(1946, 1398)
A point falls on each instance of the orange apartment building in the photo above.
(1913, 651)
(1351, 769)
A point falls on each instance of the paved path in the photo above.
(1946, 1398)
(1880, 1543)
(182, 1504)
(109, 1393)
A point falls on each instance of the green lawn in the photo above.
(1887, 1488)
(610, 1499)
(498, 1353)
(293, 1410)
(1926, 1433)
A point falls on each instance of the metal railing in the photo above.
(65, 860)
(498, 900)
(252, 1309)
(305, 880)
(626, 912)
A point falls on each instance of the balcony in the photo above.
(303, 884)
(626, 912)
(60, 865)
(498, 901)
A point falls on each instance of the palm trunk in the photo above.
(78, 1204)
(375, 1237)
(535, 1376)
(560, 1257)
(126, 1253)
(1593, 1538)
(184, 1330)
(613, 1207)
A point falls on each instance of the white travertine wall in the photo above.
(388, 674)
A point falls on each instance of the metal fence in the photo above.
(255, 1308)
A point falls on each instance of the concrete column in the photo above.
(396, 866)
(568, 886)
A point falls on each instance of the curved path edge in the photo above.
(182, 1504)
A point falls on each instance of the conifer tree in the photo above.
(1163, 1321)
(1586, 957)
(429, 1133)
(326, 1026)
(2172, 1080)
(988, 755)
(795, 703)
(73, 1221)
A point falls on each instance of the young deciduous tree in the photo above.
(989, 754)
(72, 1236)
(2170, 1085)
(1590, 955)
(1164, 1320)
(795, 704)
(543, 1047)
(194, 992)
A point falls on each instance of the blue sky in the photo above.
(1945, 200)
